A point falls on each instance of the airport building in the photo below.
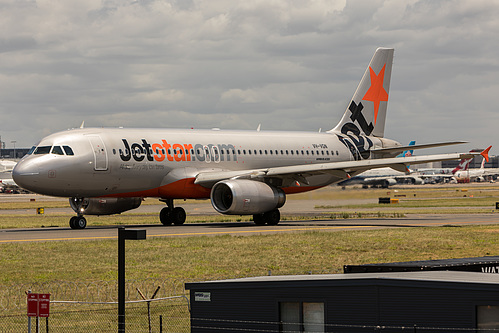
(12, 153)
(428, 301)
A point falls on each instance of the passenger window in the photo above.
(68, 150)
(42, 150)
(57, 150)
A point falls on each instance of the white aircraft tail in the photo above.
(366, 112)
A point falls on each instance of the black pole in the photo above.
(121, 279)
(122, 235)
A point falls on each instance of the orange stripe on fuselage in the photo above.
(186, 189)
(181, 189)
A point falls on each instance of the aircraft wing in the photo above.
(341, 169)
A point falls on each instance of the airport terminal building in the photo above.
(426, 301)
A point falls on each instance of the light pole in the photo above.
(124, 234)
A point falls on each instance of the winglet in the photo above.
(485, 153)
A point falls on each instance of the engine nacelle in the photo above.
(245, 197)
(417, 181)
(103, 206)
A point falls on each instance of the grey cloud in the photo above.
(234, 64)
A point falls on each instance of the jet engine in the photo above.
(103, 206)
(245, 197)
(417, 181)
(388, 182)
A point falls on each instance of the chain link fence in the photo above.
(93, 307)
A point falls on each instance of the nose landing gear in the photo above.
(78, 205)
(78, 222)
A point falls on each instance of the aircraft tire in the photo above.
(178, 216)
(72, 222)
(273, 217)
(164, 216)
(78, 222)
(258, 219)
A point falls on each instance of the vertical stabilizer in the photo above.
(463, 165)
(367, 108)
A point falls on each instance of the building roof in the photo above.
(448, 279)
(424, 265)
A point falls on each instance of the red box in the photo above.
(38, 305)
(32, 305)
(43, 305)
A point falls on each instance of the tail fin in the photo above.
(407, 153)
(464, 165)
(367, 108)
(485, 153)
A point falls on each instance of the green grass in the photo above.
(200, 258)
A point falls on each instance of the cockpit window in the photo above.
(57, 150)
(31, 150)
(40, 150)
(68, 150)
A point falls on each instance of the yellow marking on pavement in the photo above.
(184, 234)
(262, 231)
(442, 223)
(56, 239)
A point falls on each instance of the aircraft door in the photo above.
(100, 154)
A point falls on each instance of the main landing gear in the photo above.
(271, 218)
(172, 215)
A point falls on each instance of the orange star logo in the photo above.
(376, 92)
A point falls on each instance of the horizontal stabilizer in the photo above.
(418, 146)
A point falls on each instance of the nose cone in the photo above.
(26, 174)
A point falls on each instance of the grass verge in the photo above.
(205, 258)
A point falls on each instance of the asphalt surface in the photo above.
(293, 212)
(245, 228)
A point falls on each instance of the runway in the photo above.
(245, 228)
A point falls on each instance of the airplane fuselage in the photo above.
(163, 163)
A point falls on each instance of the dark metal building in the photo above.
(436, 301)
(488, 264)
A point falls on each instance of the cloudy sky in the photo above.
(287, 64)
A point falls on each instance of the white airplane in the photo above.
(480, 175)
(7, 166)
(6, 181)
(109, 170)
